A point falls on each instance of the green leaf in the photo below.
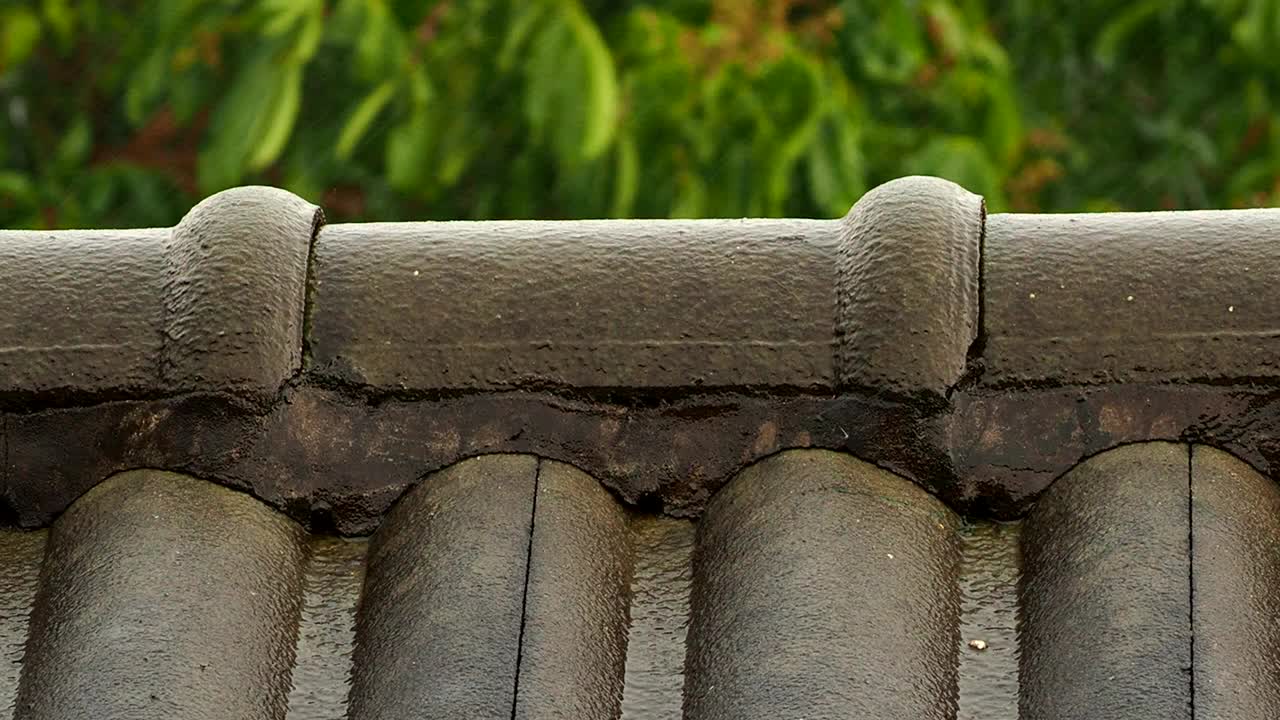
(308, 40)
(691, 197)
(1003, 123)
(61, 18)
(626, 179)
(191, 95)
(454, 151)
(1255, 175)
(544, 72)
(601, 111)
(237, 122)
(837, 168)
(408, 149)
(518, 33)
(283, 15)
(895, 48)
(381, 46)
(420, 89)
(954, 34)
(145, 85)
(19, 33)
(17, 186)
(1250, 30)
(798, 82)
(74, 148)
(362, 117)
(961, 160)
(1107, 48)
(278, 124)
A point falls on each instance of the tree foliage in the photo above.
(124, 112)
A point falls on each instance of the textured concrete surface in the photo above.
(619, 303)
(1235, 588)
(574, 646)
(1106, 606)
(908, 286)
(658, 303)
(214, 304)
(823, 588)
(81, 312)
(452, 554)
(164, 597)
(235, 292)
(660, 357)
(1131, 297)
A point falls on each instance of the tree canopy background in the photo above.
(126, 112)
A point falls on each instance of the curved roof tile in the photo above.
(520, 414)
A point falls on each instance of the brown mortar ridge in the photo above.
(336, 460)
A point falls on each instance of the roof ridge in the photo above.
(326, 368)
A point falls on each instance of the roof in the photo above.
(920, 461)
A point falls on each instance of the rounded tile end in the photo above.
(235, 290)
(908, 286)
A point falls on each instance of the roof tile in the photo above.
(514, 412)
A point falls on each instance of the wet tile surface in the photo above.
(660, 585)
(815, 586)
(327, 628)
(21, 553)
(989, 569)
